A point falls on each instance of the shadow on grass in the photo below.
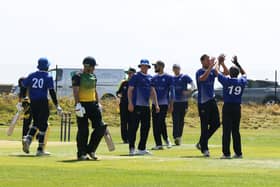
(127, 155)
(75, 161)
(200, 156)
(23, 155)
(136, 155)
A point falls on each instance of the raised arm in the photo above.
(221, 60)
(235, 62)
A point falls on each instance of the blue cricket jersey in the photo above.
(163, 85)
(205, 88)
(142, 89)
(180, 85)
(232, 88)
(38, 84)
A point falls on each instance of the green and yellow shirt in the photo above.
(87, 84)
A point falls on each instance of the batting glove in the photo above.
(80, 110)
(59, 110)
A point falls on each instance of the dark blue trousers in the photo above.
(40, 114)
(209, 122)
(124, 118)
(231, 124)
(159, 124)
(141, 114)
(178, 116)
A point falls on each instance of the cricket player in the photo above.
(180, 98)
(207, 106)
(124, 113)
(24, 105)
(38, 84)
(139, 92)
(87, 108)
(163, 84)
(233, 88)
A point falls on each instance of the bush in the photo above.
(253, 116)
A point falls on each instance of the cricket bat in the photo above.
(109, 140)
(13, 124)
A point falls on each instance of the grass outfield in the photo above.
(179, 166)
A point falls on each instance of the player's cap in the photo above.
(144, 62)
(43, 64)
(89, 61)
(159, 63)
(176, 66)
(130, 70)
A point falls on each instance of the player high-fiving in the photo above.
(232, 91)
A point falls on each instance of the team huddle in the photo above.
(168, 94)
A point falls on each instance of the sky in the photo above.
(119, 33)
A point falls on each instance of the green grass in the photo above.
(179, 166)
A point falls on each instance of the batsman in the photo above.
(39, 83)
(87, 108)
(24, 107)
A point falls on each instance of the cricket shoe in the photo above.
(26, 144)
(178, 141)
(237, 156)
(143, 152)
(83, 158)
(93, 156)
(42, 153)
(168, 143)
(132, 152)
(158, 147)
(206, 153)
(225, 157)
